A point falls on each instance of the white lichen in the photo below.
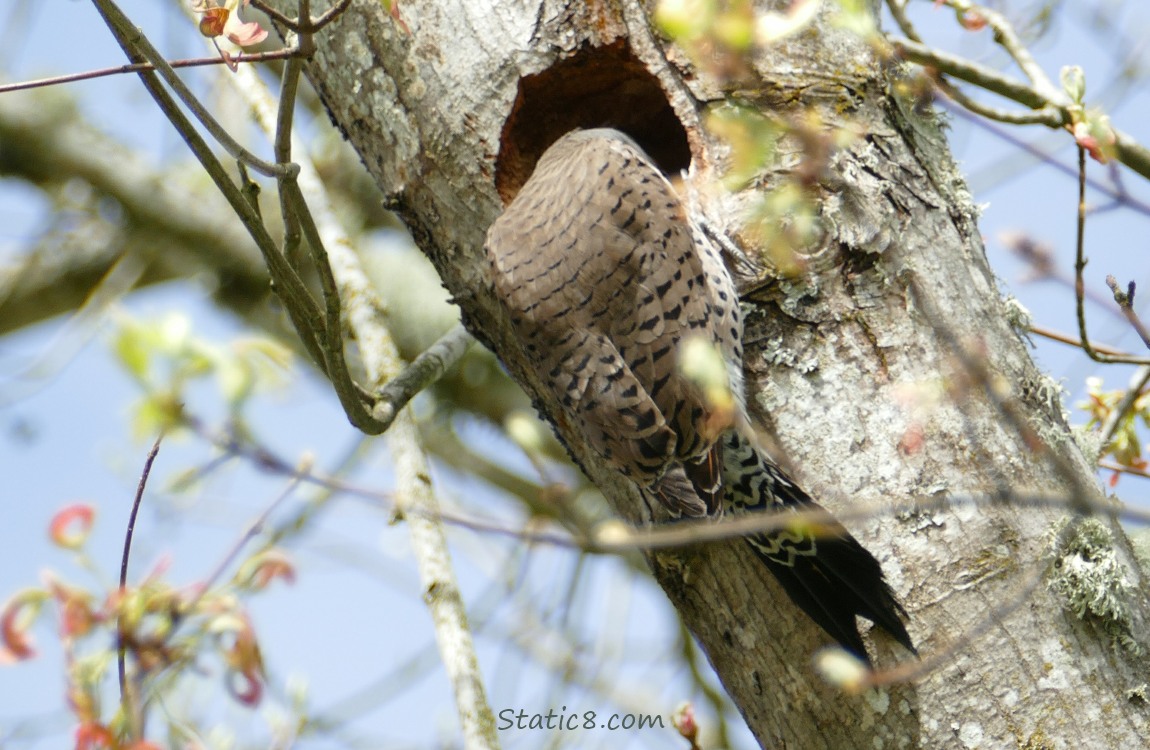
(1017, 315)
(1091, 579)
(1140, 542)
(1090, 441)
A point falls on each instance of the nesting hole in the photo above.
(597, 87)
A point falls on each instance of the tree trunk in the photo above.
(855, 366)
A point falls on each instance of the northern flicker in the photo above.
(606, 283)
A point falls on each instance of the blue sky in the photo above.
(355, 615)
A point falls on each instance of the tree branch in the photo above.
(1049, 110)
(382, 362)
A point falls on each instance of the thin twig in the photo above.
(1043, 267)
(276, 15)
(1053, 110)
(1080, 259)
(1118, 414)
(428, 367)
(333, 341)
(1053, 335)
(1008, 39)
(300, 306)
(328, 16)
(1079, 282)
(250, 533)
(1111, 466)
(276, 119)
(1125, 300)
(342, 277)
(911, 671)
(1118, 194)
(139, 49)
(614, 537)
(981, 76)
(127, 695)
(310, 25)
(898, 11)
(196, 62)
(1024, 117)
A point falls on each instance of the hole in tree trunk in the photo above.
(595, 88)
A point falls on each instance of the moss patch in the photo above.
(1090, 579)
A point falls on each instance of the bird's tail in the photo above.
(824, 569)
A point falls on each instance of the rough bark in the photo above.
(842, 364)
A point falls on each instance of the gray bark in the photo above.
(852, 366)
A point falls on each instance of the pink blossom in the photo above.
(1097, 140)
(70, 527)
(91, 735)
(244, 34)
(225, 21)
(15, 643)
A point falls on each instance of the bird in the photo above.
(610, 289)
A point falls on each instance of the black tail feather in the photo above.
(837, 584)
(824, 569)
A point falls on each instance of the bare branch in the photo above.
(426, 369)
(1116, 192)
(1009, 40)
(1125, 300)
(1066, 339)
(1050, 107)
(1080, 267)
(247, 58)
(343, 277)
(1122, 408)
(983, 77)
(128, 694)
(139, 49)
(1036, 117)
